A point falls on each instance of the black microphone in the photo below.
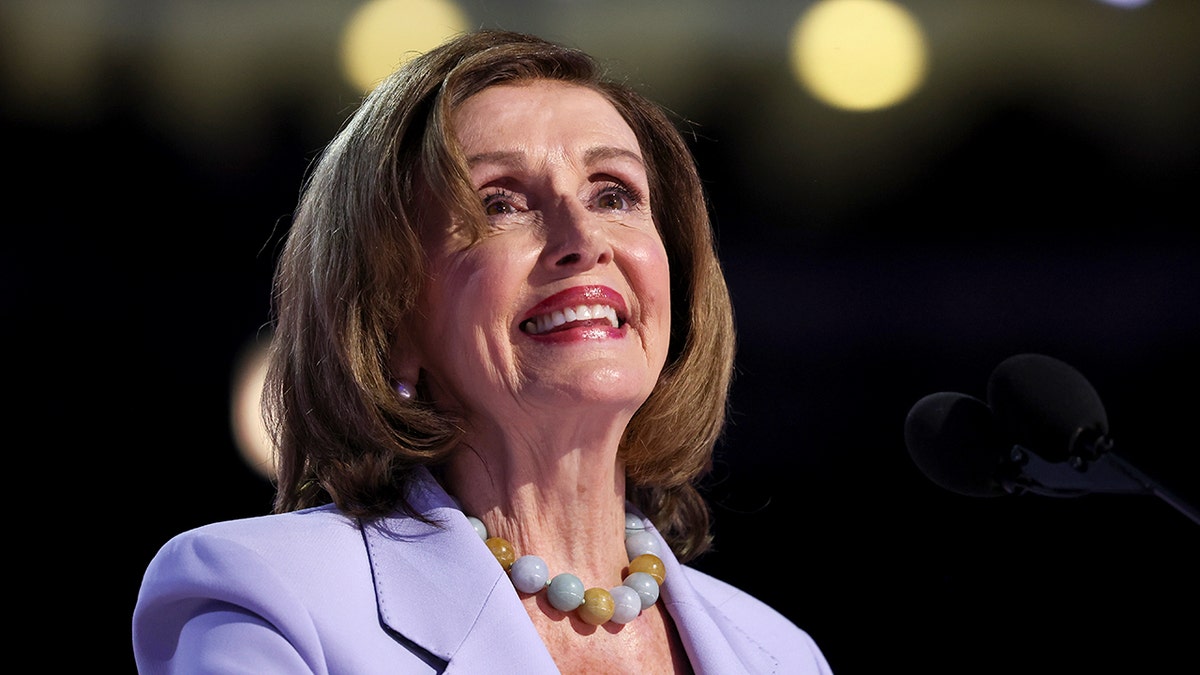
(952, 439)
(955, 441)
(1044, 431)
(1048, 407)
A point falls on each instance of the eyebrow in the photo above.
(512, 158)
(497, 157)
(611, 152)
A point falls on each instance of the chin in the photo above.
(613, 386)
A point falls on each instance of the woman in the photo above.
(501, 321)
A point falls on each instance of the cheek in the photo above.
(655, 273)
(472, 292)
(652, 282)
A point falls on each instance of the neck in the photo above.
(566, 505)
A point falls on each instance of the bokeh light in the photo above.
(245, 416)
(382, 34)
(858, 54)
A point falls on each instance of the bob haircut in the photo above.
(352, 267)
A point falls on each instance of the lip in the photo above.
(579, 295)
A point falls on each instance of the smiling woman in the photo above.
(569, 229)
(502, 349)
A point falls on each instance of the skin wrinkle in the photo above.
(515, 374)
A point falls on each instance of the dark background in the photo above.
(1043, 203)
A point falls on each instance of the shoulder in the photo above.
(757, 622)
(734, 602)
(273, 540)
(288, 588)
(269, 532)
(234, 559)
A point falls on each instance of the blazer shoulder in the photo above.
(760, 622)
(273, 527)
(723, 594)
(295, 586)
(279, 541)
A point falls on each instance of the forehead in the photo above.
(540, 112)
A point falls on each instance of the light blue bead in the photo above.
(646, 587)
(479, 527)
(633, 524)
(642, 542)
(627, 604)
(566, 592)
(529, 574)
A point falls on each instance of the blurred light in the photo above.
(858, 54)
(382, 34)
(1127, 4)
(52, 57)
(249, 431)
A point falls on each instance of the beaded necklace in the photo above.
(566, 593)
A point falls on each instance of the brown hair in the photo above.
(352, 268)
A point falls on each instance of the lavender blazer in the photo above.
(313, 592)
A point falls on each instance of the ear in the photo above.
(404, 360)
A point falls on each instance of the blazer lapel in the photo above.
(439, 588)
(714, 643)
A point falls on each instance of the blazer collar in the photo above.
(714, 643)
(448, 596)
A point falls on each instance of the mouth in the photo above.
(583, 307)
(579, 316)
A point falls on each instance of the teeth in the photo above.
(547, 322)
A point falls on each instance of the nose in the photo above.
(576, 238)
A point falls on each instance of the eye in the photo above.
(499, 202)
(616, 197)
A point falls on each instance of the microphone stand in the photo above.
(1153, 486)
(1095, 468)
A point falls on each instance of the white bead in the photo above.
(642, 542)
(633, 524)
(565, 592)
(529, 574)
(627, 604)
(646, 587)
(480, 528)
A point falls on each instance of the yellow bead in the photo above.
(505, 555)
(598, 606)
(650, 564)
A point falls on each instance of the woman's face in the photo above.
(566, 301)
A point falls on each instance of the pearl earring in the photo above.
(403, 390)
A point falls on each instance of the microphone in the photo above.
(1043, 431)
(957, 443)
(952, 439)
(1049, 407)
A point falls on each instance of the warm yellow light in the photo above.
(382, 34)
(249, 431)
(858, 54)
